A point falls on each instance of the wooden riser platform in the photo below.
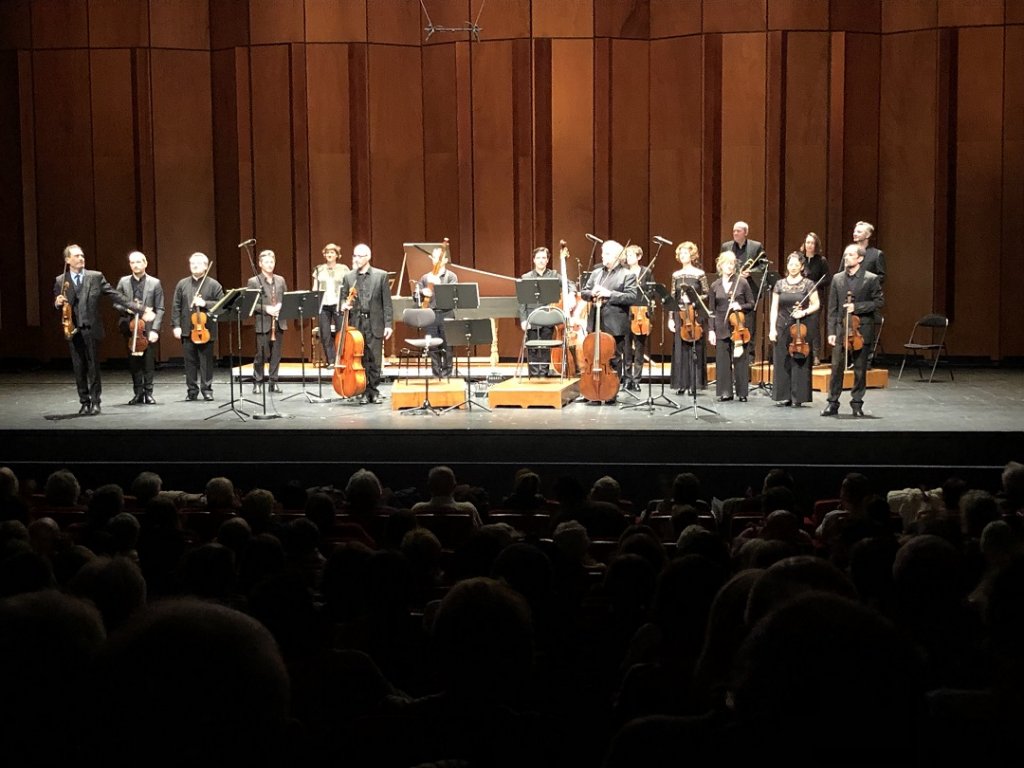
(410, 393)
(878, 378)
(533, 393)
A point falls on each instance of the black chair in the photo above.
(418, 318)
(927, 345)
(543, 317)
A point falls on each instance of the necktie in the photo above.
(78, 280)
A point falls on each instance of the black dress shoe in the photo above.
(85, 410)
(830, 410)
(783, 403)
(858, 410)
(137, 400)
(207, 396)
(742, 399)
(613, 401)
(149, 400)
(192, 396)
(724, 398)
(95, 409)
(369, 399)
(274, 387)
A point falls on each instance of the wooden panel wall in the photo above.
(194, 124)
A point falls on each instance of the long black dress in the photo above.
(792, 375)
(682, 351)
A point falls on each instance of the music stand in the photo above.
(768, 280)
(701, 309)
(656, 294)
(296, 305)
(265, 384)
(453, 297)
(477, 331)
(234, 302)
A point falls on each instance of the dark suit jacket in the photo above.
(378, 302)
(85, 302)
(615, 310)
(549, 274)
(181, 304)
(874, 261)
(152, 296)
(867, 300)
(271, 295)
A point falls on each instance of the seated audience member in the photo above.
(62, 489)
(441, 485)
(12, 506)
(114, 585)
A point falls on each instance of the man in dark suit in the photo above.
(270, 327)
(82, 288)
(751, 263)
(193, 294)
(855, 293)
(614, 286)
(874, 259)
(144, 296)
(370, 313)
(538, 357)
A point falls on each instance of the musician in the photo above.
(371, 314)
(539, 358)
(327, 277)
(440, 357)
(816, 267)
(270, 327)
(688, 373)
(729, 293)
(615, 288)
(196, 293)
(874, 259)
(145, 295)
(793, 297)
(84, 288)
(855, 292)
(636, 342)
(753, 264)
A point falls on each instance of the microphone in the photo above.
(250, 241)
(661, 240)
(594, 238)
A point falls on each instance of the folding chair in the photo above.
(919, 350)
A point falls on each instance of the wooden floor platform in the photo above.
(533, 393)
(442, 393)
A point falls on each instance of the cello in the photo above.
(200, 334)
(349, 377)
(599, 381)
(567, 304)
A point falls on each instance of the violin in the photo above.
(67, 316)
(640, 320)
(798, 348)
(349, 377)
(689, 329)
(598, 379)
(566, 304)
(853, 339)
(200, 334)
(138, 339)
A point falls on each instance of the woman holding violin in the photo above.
(639, 320)
(794, 303)
(689, 367)
(731, 299)
(192, 325)
(854, 298)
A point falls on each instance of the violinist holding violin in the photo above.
(854, 298)
(730, 302)
(370, 313)
(639, 320)
(193, 297)
(687, 324)
(794, 301)
(145, 298)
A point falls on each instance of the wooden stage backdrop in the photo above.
(182, 125)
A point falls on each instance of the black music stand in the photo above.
(297, 305)
(656, 294)
(233, 303)
(266, 383)
(768, 280)
(453, 297)
(477, 331)
(701, 309)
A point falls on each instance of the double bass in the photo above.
(349, 377)
(567, 304)
(599, 381)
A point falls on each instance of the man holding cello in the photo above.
(854, 298)
(190, 323)
(370, 313)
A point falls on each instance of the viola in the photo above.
(740, 334)
(138, 339)
(689, 329)
(566, 304)
(349, 377)
(598, 379)
(798, 348)
(853, 340)
(199, 334)
(640, 320)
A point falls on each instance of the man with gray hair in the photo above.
(192, 295)
(144, 296)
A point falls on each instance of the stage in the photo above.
(914, 433)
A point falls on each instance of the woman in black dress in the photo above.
(730, 294)
(792, 298)
(816, 267)
(688, 373)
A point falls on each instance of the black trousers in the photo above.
(731, 371)
(440, 357)
(859, 358)
(86, 366)
(636, 346)
(142, 368)
(539, 357)
(198, 366)
(329, 323)
(373, 352)
(267, 349)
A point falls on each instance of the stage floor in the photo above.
(915, 432)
